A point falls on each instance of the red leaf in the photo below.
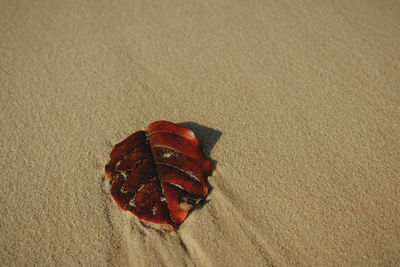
(159, 174)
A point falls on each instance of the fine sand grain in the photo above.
(298, 103)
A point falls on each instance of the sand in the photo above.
(296, 101)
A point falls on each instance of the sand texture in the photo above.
(297, 102)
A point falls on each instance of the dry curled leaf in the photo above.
(159, 174)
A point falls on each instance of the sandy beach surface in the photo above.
(297, 102)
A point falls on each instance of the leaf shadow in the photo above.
(208, 138)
